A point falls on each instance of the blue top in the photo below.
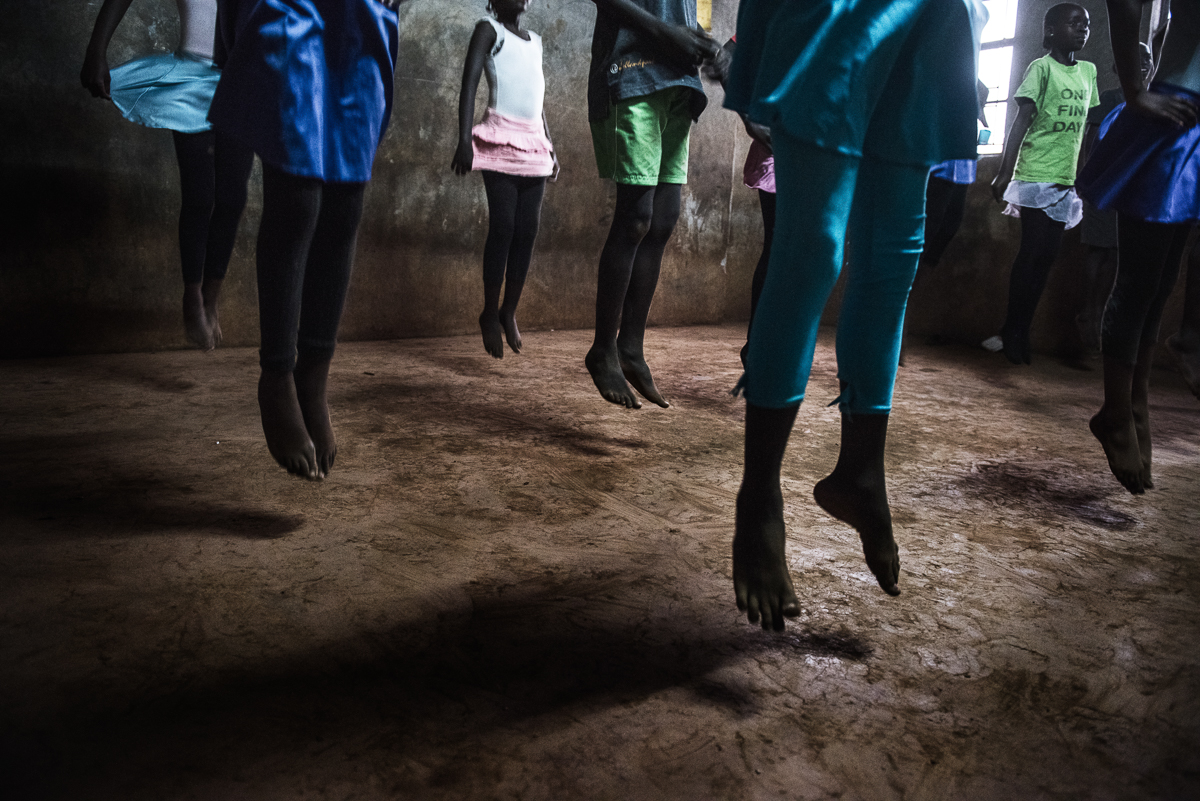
(625, 63)
(894, 79)
(308, 85)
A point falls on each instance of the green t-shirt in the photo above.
(1062, 96)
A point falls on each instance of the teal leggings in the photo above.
(824, 199)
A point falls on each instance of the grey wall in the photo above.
(88, 260)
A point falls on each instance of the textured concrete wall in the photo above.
(88, 259)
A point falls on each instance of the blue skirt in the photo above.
(168, 90)
(308, 85)
(1145, 168)
(893, 79)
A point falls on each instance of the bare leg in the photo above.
(631, 222)
(856, 493)
(291, 207)
(311, 378)
(283, 425)
(642, 283)
(1114, 426)
(761, 582)
(211, 291)
(1140, 407)
(195, 324)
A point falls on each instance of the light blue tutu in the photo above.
(168, 90)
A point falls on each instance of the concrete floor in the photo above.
(510, 589)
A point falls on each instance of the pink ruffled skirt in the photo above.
(512, 146)
(759, 172)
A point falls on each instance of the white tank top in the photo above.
(197, 26)
(513, 69)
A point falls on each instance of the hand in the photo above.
(717, 67)
(999, 185)
(1167, 108)
(95, 76)
(691, 45)
(464, 157)
(554, 175)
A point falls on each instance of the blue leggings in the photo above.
(820, 191)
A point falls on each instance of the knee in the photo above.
(662, 226)
(634, 224)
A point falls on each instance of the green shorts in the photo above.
(644, 140)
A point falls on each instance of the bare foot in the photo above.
(493, 333)
(1188, 362)
(1120, 443)
(862, 504)
(637, 373)
(508, 320)
(1141, 426)
(311, 381)
(283, 424)
(761, 582)
(605, 369)
(194, 322)
(211, 291)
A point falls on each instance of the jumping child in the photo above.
(511, 147)
(861, 99)
(1037, 170)
(173, 91)
(307, 86)
(1147, 168)
(644, 92)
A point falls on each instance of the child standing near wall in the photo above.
(307, 86)
(1037, 170)
(644, 92)
(511, 147)
(173, 91)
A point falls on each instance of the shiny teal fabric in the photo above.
(166, 91)
(894, 79)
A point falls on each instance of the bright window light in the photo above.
(995, 68)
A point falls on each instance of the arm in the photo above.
(482, 42)
(1124, 20)
(1016, 135)
(688, 45)
(94, 75)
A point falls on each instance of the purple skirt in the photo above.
(1145, 168)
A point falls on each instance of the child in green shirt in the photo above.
(1037, 171)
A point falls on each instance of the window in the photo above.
(995, 68)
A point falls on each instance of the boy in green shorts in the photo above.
(644, 92)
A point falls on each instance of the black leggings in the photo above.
(1040, 238)
(305, 254)
(213, 171)
(945, 202)
(1147, 267)
(514, 214)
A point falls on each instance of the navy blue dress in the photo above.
(307, 85)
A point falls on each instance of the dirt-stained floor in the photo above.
(511, 589)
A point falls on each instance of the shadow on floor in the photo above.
(441, 691)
